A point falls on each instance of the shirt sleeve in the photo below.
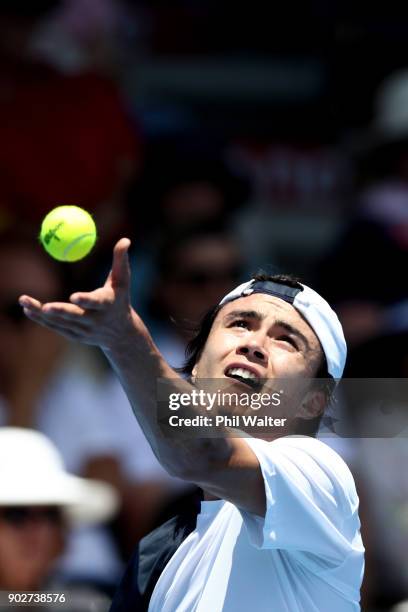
(311, 501)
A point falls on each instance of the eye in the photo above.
(240, 323)
(288, 339)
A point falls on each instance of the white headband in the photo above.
(317, 312)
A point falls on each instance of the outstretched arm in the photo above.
(225, 467)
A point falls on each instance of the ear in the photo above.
(194, 373)
(313, 404)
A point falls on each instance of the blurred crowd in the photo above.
(202, 212)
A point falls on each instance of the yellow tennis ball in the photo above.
(68, 233)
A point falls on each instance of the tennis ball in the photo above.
(68, 233)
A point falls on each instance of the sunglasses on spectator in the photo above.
(18, 516)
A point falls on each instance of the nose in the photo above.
(253, 351)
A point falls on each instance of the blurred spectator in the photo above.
(184, 187)
(39, 503)
(82, 35)
(381, 149)
(362, 277)
(362, 273)
(380, 421)
(195, 269)
(65, 139)
(49, 384)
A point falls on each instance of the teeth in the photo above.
(241, 372)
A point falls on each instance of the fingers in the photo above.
(119, 277)
(52, 312)
(68, 329)
(82, 317)
(94, 300)
(28, 302)
(63, 310)
(57, 313)
(33, 306)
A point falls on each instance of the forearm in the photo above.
(104, 318)
(139, 364)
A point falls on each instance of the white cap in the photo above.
(391, 105)
(32, 474)
(317, 312)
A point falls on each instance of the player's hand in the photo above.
(102, 317)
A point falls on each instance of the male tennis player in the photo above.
(279, 528)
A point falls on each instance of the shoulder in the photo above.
(312, 447)
(307, 462)
(311, 500)
(301, 447)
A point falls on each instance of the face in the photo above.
(30, 541)
(262, 335)
(265, 334)
(21, 271)
(206, 270)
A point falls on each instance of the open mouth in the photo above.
(245, 376)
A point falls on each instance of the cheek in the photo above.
(217, 349)
(206, 366)
(290, 364)
(12, 554)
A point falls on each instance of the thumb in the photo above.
(119, 276)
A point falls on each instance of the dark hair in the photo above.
(195, 347)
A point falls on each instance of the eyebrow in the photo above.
(244, 314)
(294, 331)
(258, 316)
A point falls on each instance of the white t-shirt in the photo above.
(306, 555)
